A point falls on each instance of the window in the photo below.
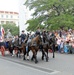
(11, 21)
(6, 16)
(11, 16)
(2, 22)
(7, 22)
(2, 16)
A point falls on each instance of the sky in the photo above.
(9, 5)
(13, 5)
(16, 6)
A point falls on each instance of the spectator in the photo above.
(58, 43)
(62, 46)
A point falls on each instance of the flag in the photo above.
(0, 35)
(2, 32)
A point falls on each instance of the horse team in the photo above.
(34, 43)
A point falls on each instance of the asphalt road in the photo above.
(11, 68)
(62, 64)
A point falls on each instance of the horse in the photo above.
(52, 43)
(44, 46)
(48, 42)
(17, 46)
(34, 47)
(36, 44)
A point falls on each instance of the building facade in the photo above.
(9, 17)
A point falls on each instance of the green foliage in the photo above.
(51, 14)
(64, 20)
(13, 28)
(34, 23)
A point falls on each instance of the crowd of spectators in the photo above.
(65, 41)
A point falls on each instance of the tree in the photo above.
(51, 13)
(13, 28)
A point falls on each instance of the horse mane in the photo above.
(36, 40)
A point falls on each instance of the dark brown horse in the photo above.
(48, 42)
(34, 47)
(44, 50)
(52, 43)
(37, 44)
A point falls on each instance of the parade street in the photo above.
(62, 64)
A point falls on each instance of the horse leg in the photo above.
(32, 57)
(9, 48)
(18, 54)
(24, 55)
(47, 55)
(36, 61)
(53, 49)
(27, 55)
(43, 54)
(35, 56)
(24, 52)
(27, 52)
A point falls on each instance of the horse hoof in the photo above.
(46, 59)
(28, 59)
(42, 58)
(53, 57)
(31, 59)
(36, 62)
(24, 59)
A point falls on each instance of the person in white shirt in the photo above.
(58, 43)
(62, 46)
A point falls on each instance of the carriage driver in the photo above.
(23, 36)
(38, 31)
